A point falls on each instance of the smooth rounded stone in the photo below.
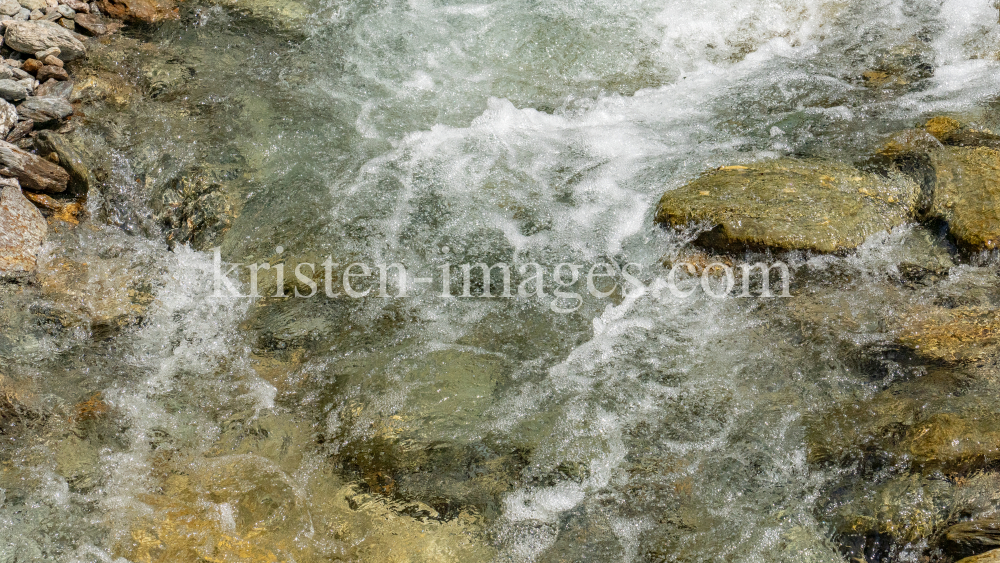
(23, 15)
(52, 72)
(988, 557)
(12, 91)
(147, 11)
(52, 60)
(790, 204)
(69, 158)
(9, 7)
(65, 11)
(36, 15)
(22, 231)
(8, 118)
(31, 37)
(967, 195)
(33, 4)
(44, 110)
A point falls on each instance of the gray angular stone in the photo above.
(33, 4)
(22, 231)
(6, 72)
(33, 36)
(8, 118)
(56, 88)
(12, 91)
(44, 110)
(65, 11)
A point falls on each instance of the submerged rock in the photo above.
(34, 36)
(790, 204)
(146, 11)
(988, 557)
(71, 159)
(967, 195)
(194, 212)
(964, 334)
(974, 536)
(22, 232)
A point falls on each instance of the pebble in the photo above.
(32, 65)
(36, 15)
(33, 4)
(6, 72)
(52, 60)
(66, 11)
(67, 23)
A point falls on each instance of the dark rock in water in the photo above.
(12, 91)
(22, 231)
(790, 204)
(69, 158)
(900, 67)
(49, 72)
(56, 88)
(33, 36)
(194, 212)
(33, 173)
(44, 110)
(972, 537)
(146, 11)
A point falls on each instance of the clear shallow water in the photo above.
(639, 428)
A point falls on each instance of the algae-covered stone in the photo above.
(791, 204)
(963, 334)
(988, 557)
(967, 195)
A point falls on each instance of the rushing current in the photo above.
(155, 419)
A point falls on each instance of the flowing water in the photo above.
(150, 418)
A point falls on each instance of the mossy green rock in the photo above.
(967, 195)
(790, 204)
